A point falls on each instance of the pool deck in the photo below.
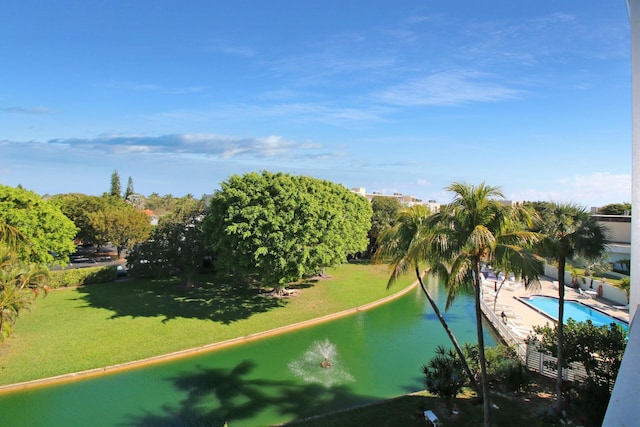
(520, 318)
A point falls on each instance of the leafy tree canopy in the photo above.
(280, 227)
(77, 207)
(47, 233)
(616, 209)
(121, 224)
(168, 203)
(385, 212)
(176, 245)
(598, 348)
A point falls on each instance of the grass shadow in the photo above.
(222, 301)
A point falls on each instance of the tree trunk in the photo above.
(561, 268)
(483, 361)
(452, 337)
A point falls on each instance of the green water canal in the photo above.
(375, 354)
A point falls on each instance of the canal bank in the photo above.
(380, 351)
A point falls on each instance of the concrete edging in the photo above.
(201, 349)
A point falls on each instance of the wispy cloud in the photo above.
(149, 87)
(29, 110)
(230, 48)
(598, 186)
(202, 145)
(448, 89)
(591, 190)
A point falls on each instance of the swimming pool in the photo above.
(572, 310)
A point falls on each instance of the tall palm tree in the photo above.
(475, 228)
(569, 231)
(403, 246)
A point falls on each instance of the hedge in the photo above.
(82, 276)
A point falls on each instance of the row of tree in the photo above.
(273, 227)
(277, 228)
(478, 228)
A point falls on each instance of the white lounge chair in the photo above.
(432, 418)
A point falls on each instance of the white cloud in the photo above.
(29, 110)
(595, 189)
(149, 87)
(196, 144)
(448, 89)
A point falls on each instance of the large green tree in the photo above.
(176, 246)
(78, 208)
(48, 234)
(279, 227)
(477, 227)
(385, 212)
(121, 224)
(569, 231)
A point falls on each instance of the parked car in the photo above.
(121, 271)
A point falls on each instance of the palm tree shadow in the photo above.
(215, 395)
(221, 301)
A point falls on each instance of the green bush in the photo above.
(81, 276)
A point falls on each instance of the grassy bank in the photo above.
(100, 325)
(529, 408)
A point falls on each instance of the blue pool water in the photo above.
(572, 310)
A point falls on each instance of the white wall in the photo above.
(609, 291)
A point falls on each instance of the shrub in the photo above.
(81, 276)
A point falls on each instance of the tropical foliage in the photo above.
(280, 227)
(569, 232)
(20, 282)
(504, 366)
(475, 227)
(403, 247)
(599, 349)
(444, 375)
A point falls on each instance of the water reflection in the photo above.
(374, 354)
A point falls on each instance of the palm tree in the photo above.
(20, 282)
(403, 247)
(476, 227)
(569, 232)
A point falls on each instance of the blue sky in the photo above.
(396, 96)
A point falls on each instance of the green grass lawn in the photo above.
(93, 326)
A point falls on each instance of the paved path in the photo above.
(520, 318)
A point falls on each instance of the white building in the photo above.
(403, 199)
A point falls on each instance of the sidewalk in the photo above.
(520, 318)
